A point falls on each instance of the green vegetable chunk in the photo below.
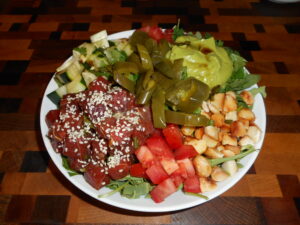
(145, 57)
(215, 162)
(187, 95)
(124, 81)
(186, 119)
(158, 108)
(129, 187)
(66, 165)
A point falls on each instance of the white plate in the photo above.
(176, 201)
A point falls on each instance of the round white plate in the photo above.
(176, 201)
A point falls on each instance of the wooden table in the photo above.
(37, 35)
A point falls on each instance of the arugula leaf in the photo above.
(207, 35)
(240, 80)
(129, 187)
(81, 50)
(219, 43)
(241, 103)
(260, 90)
(177, 31)
(246, 151)
(66, 165)
(115, 190)
(197, 195)
(237, 60)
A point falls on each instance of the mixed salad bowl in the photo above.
(153, 120)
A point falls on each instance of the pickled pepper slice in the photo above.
(158, 108)
(185, 118)
(187, 95)
(145, 57)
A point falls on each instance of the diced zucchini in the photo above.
(114, 55)
(65, 65)
(100, 39)
(74, 70)
(97, 60)
(128, 49)
(56, 95)
(88, 77)
(62, 78)
(103, 43)
(76, 86)
(123, 45)
(83, 51)
(71, 73)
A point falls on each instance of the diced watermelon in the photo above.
(156, 173)
(145, 156)
(137, 170)
(192, 184)
(169, 165)
(177, 179)
(159, 147)
(185, 151)
(163, 190)
(173, 136)
(187, 165)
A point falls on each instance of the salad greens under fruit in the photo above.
(160, 111)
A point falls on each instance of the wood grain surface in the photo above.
(37, 35)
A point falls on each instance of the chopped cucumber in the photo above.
(56, 95)
(114, 55)
(97, 60)
(83, 51)
(88, 77)
(123, 45)
(71, 73)
(100, 39)
(76, 86)
(65, 65)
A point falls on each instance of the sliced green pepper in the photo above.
(145, 88)
(124, 81)
(185, 118)
(163, 81)
(144, 97)
(134, 58)
(126, 67)
(138, 37)
(150, 45)
(187, 95)
(158, 108)
(171, 70)
(145, 57)
(159, 51)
